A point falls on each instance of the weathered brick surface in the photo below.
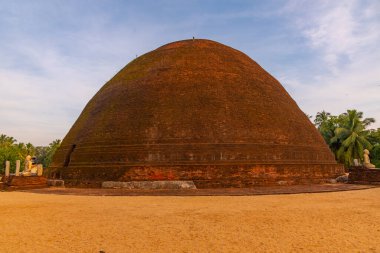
(210, 176)
(194, 110)
(150, 185)
(364, 176)
(56, 182)
(20, 182)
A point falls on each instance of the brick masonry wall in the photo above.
(20, 182)
(363, 175)
(210, 176)
(194, 110)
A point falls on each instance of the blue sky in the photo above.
(55, 55)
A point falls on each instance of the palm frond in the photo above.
(365, 142)
(342, 133)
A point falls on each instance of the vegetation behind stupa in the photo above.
(11, 150)
(348, 134)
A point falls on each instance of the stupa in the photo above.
(194, 110)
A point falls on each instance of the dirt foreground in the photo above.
(346, 221)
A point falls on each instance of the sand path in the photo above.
(320, 222)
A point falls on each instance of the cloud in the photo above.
(344, 36)
(47, 78)
(343, 30)
(55, 55)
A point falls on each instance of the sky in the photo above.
(55, 55)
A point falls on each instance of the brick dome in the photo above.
(194, 110)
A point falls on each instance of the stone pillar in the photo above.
(17, 168)
(7, 167)
(40, 170)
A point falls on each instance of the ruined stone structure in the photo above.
(194, 110)
(13, 182)
(363, 175)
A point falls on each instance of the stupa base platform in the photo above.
(56, 182)
(268, 190)
(206, 176)
(150, 185)
(22, 183)
(362, 175)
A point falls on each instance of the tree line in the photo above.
(348, 134)
(11, 150)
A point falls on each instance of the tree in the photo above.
(351, 136)
(8, 151)
(374, 139)
(321, 118)
(6, 140)
(346, 134)
(11, 151)
(326, 124)
(374, 136)
(45, 154)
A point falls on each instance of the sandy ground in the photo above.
(319, 222)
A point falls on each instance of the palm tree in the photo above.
(53, 146)
(321, 118)
(7, 140)
(30, 149)
(351, 135)
(326, 125)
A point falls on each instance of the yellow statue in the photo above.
(30, 168)
(27, 166)
(367, 162)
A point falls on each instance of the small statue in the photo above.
(367, 163)
(27, 166)
(30, 168)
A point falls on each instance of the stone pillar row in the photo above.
(8, 166)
